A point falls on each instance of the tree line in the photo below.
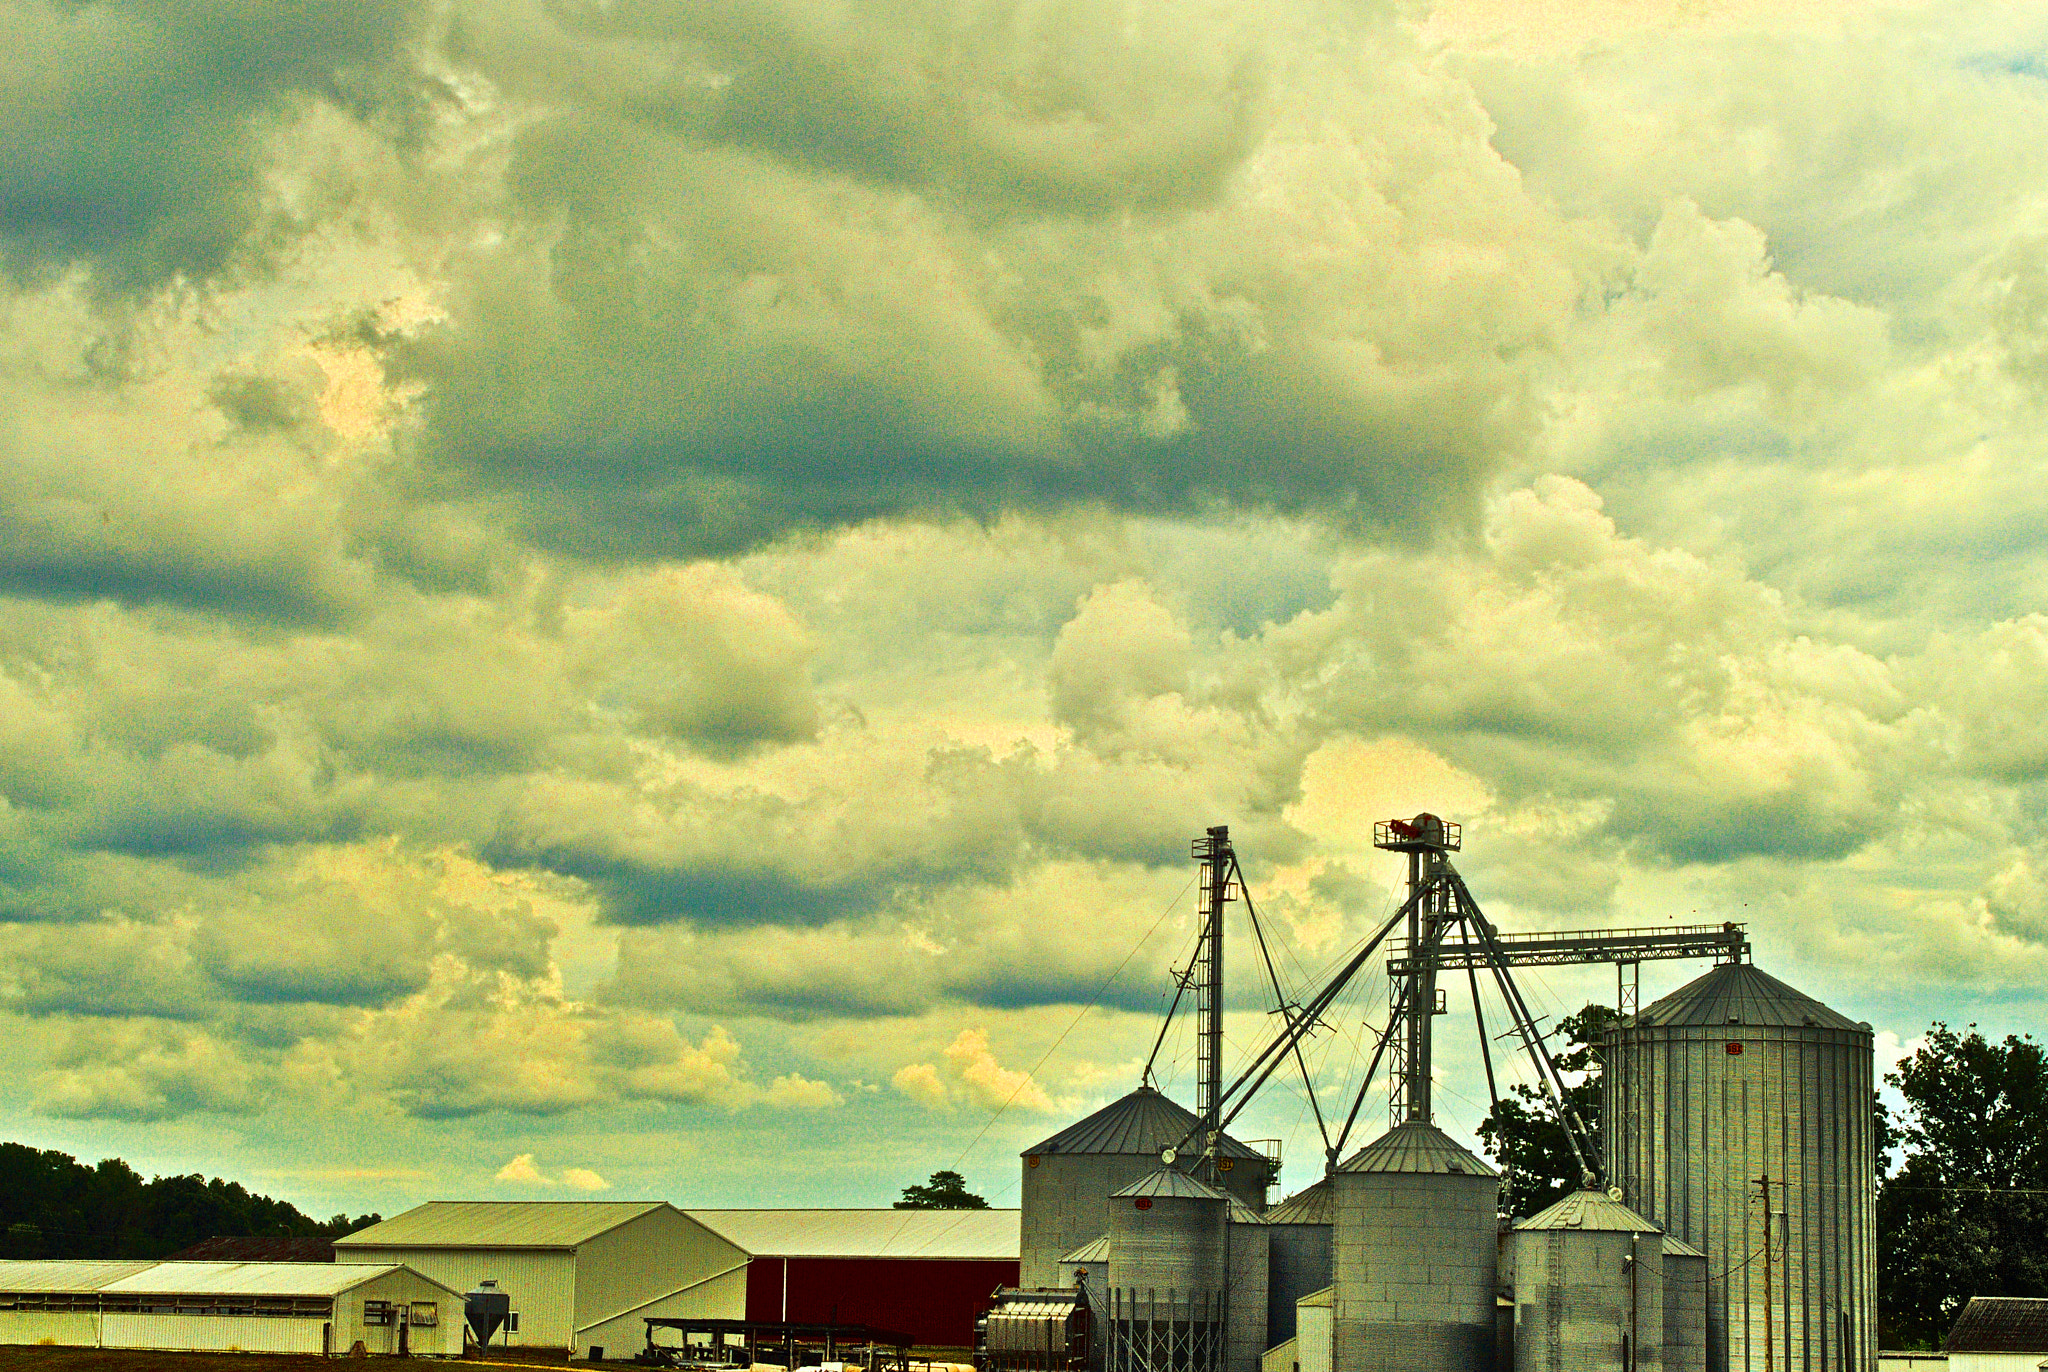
(53, 1206)
(1962, 1172)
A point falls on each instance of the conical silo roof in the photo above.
(1415, 1147)
(1313, 1205)
(1737, 993)
(1142, 1122)
(1170, 1181)
(1591, 1210)
(1096, 1251)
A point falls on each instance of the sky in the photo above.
(635, 598)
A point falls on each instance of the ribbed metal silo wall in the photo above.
(1685, 1313)
(1691, 1127)
(1168, 1276)
(1415, 1265)
(1065, 1203)
(1300, 1264)
(1588, 1301)
(1249, 1261)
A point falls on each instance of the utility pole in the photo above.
(1770, 1340)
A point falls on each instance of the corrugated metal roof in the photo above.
(256, 1248)
(1416, 1147)
(1591, 1210)
(1315, 1205)
(1142, 1122)
(1240, 1213)
(247, 1278)
(1737, 993)
(1674, 1246)
(982, 1234)
(1097, 1251)
(1036, 1305)
(60, 1274)
(1170, 1181)
(2000, 1324)
(498, 1224)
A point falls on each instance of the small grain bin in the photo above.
(1589, 1288)
(1415, 1255)
(1168, 1269)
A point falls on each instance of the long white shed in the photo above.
(257, 1307)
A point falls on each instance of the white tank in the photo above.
(1588, 1288)
(1731, 1079)
(1415, 1255)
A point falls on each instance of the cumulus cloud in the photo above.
(540, 545)
(523, 1171)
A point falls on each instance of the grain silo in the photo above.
(1734, 1097)
(1168, 1274)
(1415, 1255)
(1069, 1178)
(1685, 1306)
(1247, 1262)
(1298, 1233)
(1589, 1288)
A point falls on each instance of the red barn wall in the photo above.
(933, 1300)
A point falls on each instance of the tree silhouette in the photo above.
(945, 1191)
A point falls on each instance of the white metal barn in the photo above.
(581, 1274)
(258, 1307)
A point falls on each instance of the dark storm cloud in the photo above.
(131, 134)
(767, 268)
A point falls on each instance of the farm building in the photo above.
(585, 1274)
(228, 1306)
(581, 1274)
(923, 1273)
(1999, 1334)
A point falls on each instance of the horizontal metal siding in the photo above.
(72, 1329)
(933, 1300)
(211, 1333)
(541, 1282)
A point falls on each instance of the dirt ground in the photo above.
(39, 1359)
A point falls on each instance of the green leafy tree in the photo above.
(945, 1191)
(1525, 1136)
(1965, 1213)
(53, 1206)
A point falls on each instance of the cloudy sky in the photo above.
(646, 594)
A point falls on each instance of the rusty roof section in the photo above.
(257, 1248)
(2000, 1324)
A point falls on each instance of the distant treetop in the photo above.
(53, 1206)
(945, 1191)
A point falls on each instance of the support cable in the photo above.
(1269, 1056)
(1547, 1073)
(1280, 999)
